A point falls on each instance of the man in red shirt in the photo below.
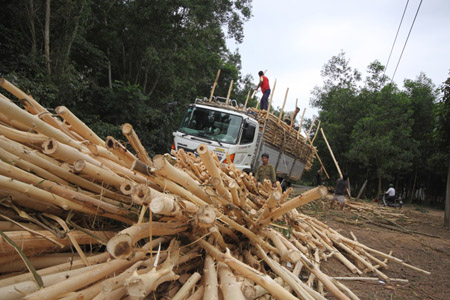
(265, 89)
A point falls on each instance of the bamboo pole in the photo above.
(214, 85)
(28, 240)
(228, 284)
(211, 291)
(318, 158)
(37, 124)
(264, 280)
(214, 172)
(310, 127)
(315, 134)
(229, 92)
(58, 189)
(246, 99)
(331, 152)
(165, 169)
(22, 136)
(121, 245)
(304, 198)
(31, 104)
(98, 173)
(189, 284)
(294, 115)
(130, 134)
(127, 159)
(78, 126)
(66, 153)
(284, 103)
(51, 198)
(96, 273)
(271, 96)
(46, 163)
(17, 290)
(301, 123)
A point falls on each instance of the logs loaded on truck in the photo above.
(87, 218)
(245, 134)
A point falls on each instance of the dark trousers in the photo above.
(265, 100)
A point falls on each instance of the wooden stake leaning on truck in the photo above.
(282, 107)
(214, 85)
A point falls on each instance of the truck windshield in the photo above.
(211, 124)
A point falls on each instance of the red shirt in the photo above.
(264, 83)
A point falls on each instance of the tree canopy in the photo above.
(112, 62)
(380, 132)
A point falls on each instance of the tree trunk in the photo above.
(31, 14)
(379, 186)
(47, 35)
(447, 200)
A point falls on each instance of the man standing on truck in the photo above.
(265, 89)
(266, 170)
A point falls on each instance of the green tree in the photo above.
(381, 140)
(340, 108)
(441, 135)
(115, 61)
(422, 94)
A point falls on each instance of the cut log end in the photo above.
(120, 246)
(127, 128)
(201, 149)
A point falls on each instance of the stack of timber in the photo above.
(85, 218)
(285, 137)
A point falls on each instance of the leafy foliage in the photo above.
(113, 61)
(377, 131)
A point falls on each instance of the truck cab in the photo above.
(221, 126)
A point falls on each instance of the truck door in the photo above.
(247, 145)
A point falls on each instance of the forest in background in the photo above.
(115, 62)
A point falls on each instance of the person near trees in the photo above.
(390, 193)
(319, 180)
(339, 191)
(266, 170)
(265, 89)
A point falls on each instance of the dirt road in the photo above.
(416, 235)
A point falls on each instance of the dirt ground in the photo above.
(414, 234)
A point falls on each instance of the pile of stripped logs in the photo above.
(85, 218)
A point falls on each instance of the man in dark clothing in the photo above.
(319, 177)
(340, 190)
(265, 89)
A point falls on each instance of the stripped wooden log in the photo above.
(78, 126)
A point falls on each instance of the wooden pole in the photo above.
(271, 96)
(361, 190)
(214, 85)
(128, 131)
(315, 134)
(78, 126)
(301, 123)
(284, 103)
(229, 92)
(295, 113)
(317, 155)
(331, 152)
(246, 100)
(310, 127)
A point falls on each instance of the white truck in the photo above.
(245, 134)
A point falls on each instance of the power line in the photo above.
(412, 25)
(396, 35)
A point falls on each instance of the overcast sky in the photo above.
(293, 39)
